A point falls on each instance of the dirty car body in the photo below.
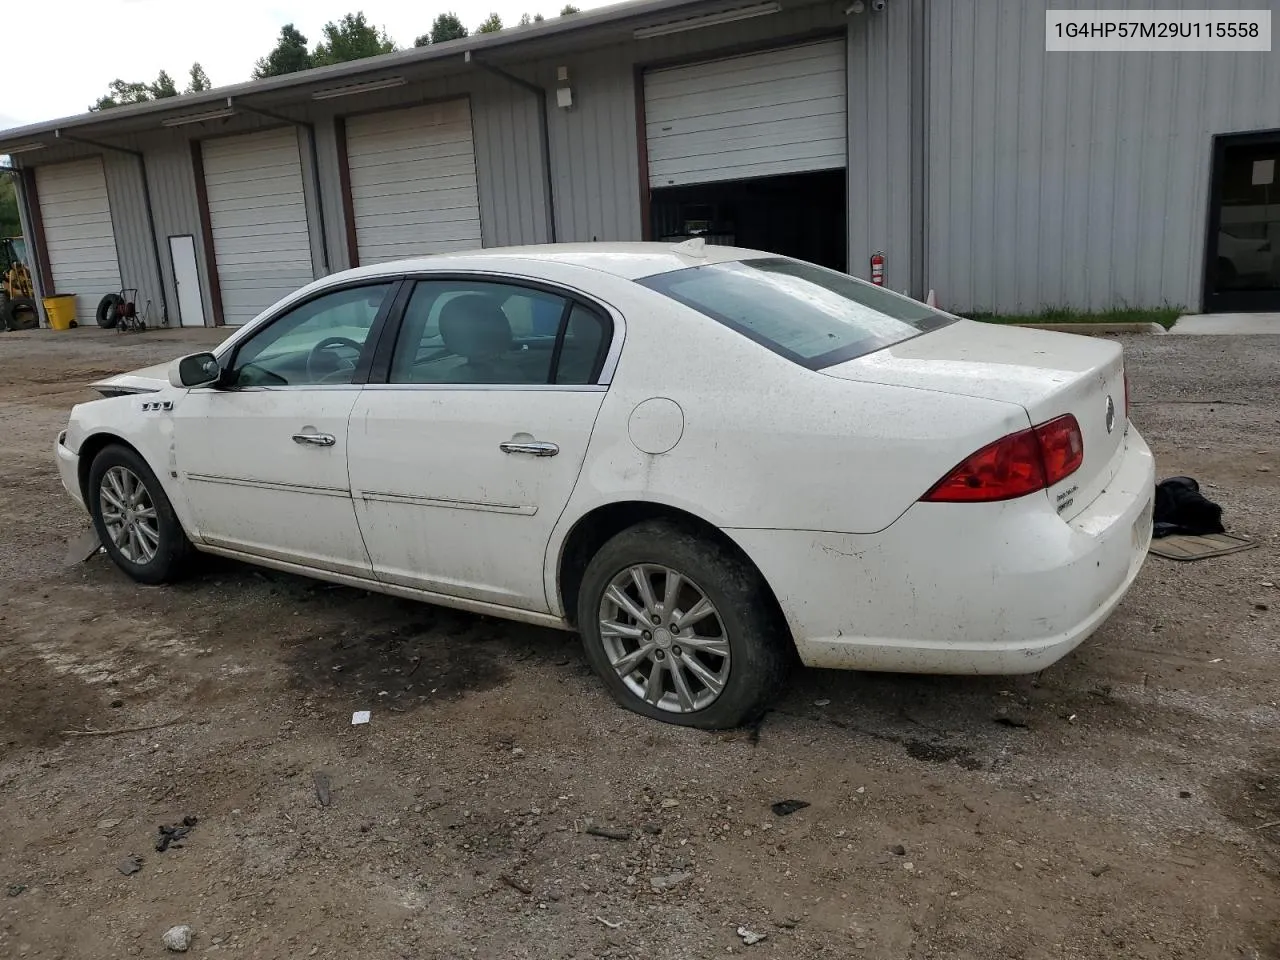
(703, 459)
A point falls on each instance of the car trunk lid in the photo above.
(1047, 374)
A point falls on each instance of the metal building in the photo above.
(938, 132)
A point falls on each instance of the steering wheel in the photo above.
(318, 373)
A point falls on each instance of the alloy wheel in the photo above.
(665, 638)
(129, 515)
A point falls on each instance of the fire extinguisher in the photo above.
(877, 268)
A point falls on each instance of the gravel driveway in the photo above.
(1124, 803)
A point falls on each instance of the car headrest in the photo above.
(474, 326)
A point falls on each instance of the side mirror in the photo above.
(196, 370)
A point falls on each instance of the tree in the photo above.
(538, 18)
(445, 27)
(569, 10)
(525, 19)
(351, 38)
(122, 92)
(10, 222)
(492, 25)
(289, 56)
(163, 87)
(199, 80)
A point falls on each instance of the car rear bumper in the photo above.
(1001, 588)
(68, 467)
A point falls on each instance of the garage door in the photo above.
(756, 115)
(259, 220)
(78, 232)
(413, 181)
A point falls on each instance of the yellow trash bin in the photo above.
(61, 309)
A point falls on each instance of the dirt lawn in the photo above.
(1125, 803)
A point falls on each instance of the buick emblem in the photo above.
(1111, 414)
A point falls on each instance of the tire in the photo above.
(109, 310)
(21, 313)
(759, 649)
(172, 550)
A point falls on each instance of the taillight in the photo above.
(1015, 466)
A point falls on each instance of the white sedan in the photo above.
(705, 460)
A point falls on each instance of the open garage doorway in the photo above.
(801, 215)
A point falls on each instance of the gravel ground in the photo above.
(1125, 803)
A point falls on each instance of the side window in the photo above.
(585, 342)
(472, 331)
(318, 342)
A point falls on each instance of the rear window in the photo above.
(809, 314)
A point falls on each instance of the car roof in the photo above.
(631, 261)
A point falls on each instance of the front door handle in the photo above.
(536, 448)
(316, 439)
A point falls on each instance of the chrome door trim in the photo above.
(269, 485)
(486, 506)
(532, 387)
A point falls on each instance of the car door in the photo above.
(263, 456)
(463, 459)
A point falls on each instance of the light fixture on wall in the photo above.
(564, 92)
(24, 147)
(182, 121)
(386, 83)
(707, 20)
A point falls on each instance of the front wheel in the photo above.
(680, 628)
(134, 519)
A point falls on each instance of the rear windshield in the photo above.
(811, 315)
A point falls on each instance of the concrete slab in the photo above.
(1228, 324)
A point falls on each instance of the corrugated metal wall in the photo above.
(1074, 179)
(882, 62)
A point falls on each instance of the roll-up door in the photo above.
(413, 181)
(78, 232)
(258, 215)
(761, 114)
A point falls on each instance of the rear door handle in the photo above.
(316, 439)
(536, 448)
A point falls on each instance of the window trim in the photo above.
(603, 368)
(359, 376)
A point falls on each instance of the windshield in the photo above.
(809, 314)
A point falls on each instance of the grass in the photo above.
(1165, 316)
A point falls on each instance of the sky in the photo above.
(62, 54)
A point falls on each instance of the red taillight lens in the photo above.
(1011, 467)
(1015, 466)
(1062, 447)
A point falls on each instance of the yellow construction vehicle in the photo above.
(18, 310)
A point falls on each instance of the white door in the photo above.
(463, 462)
(186, 277)
(755, 115)
(78, 233)
(413, 181)
(263, 459)
(258, 215)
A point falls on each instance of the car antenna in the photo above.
(697, 247)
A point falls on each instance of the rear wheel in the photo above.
(680, 628)
(134, 519)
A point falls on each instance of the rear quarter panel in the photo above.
(765, 443)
